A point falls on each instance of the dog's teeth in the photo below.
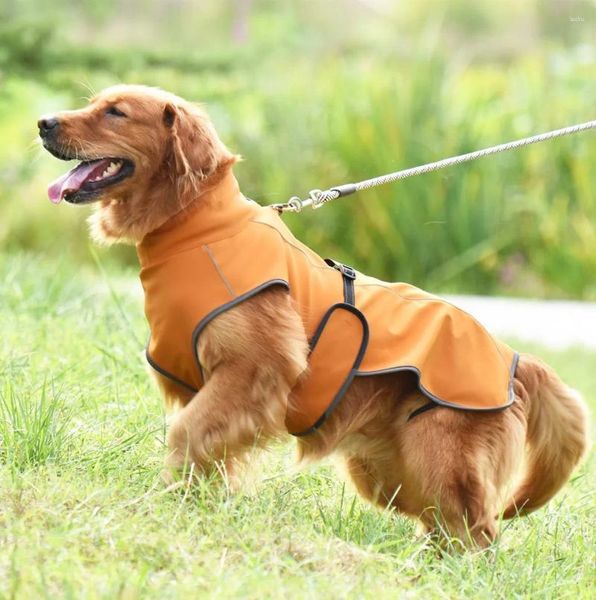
(111, 169)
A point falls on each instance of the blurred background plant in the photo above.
(317, 93)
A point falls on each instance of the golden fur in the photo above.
(455, 471)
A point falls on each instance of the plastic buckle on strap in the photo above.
(345, 270)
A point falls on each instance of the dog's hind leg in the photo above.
(451, 496)
(461, 466)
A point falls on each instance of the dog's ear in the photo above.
(193, 147)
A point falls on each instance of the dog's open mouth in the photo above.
(87, 180)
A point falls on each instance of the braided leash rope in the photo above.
(317, 198)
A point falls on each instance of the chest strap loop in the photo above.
(349, 275)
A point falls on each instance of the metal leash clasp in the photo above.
(294, 204)
(317, 198)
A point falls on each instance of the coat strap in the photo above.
(327, 379)
(349, 275)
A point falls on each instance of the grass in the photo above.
(83, 513)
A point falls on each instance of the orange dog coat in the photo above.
(228, 249)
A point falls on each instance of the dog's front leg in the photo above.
(252, 356)
(236, 410)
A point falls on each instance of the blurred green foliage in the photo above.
(314, 94)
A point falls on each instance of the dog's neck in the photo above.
(219, 212)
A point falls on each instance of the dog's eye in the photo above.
(112, 111)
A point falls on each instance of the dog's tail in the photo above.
(556, 438)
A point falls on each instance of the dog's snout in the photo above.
(47, 125)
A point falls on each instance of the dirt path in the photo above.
(554, 323)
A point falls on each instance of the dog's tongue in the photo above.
(74, 179)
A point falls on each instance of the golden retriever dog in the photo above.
(148, 157)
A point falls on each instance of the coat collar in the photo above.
(217, 214)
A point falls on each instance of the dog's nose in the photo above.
(47, 125)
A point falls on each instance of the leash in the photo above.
(317, 198)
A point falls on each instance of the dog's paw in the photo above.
(178, 469)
